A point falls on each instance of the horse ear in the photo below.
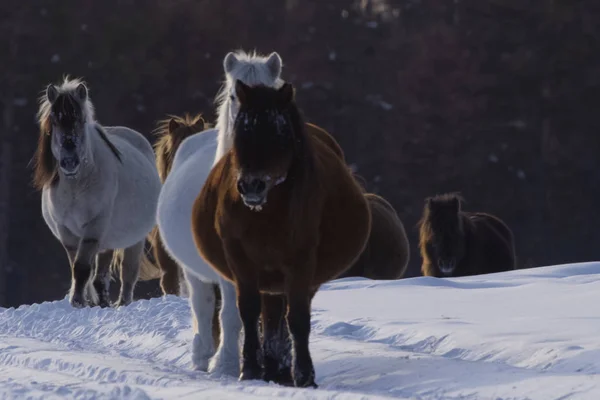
(274, 64)
(199, 125)
(51, 93)
(241, 91)
(173, 125)
(229, 62)
(286, 93)
(81, 92)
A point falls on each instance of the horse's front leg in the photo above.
(299, 293)
(82, 271)
(276, 340)
(102, 277)
(248, 301)
(226, 360)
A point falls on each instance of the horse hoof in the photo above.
(121, 303)
(281, 377)
(78, 302)
(103, 304)
(224, 364)
(249, 374)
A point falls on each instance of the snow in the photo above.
(527, 334)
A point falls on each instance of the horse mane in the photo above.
(426, 230)
(251, 69)
(168, 142)
(102, 132)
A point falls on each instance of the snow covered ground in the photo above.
(528, 334)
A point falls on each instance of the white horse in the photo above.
(193, 161)
(100, 189)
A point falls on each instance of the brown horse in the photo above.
(459, 243)
(171, 132)
(387, 252)
(314, 225)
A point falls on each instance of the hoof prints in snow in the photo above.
(527, 334)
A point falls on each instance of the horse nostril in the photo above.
(241, 187)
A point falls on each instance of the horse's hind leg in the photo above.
(226, 360)
(202, 304)
(276, 341)
(169, 282)
(130, 269)
(102, 277)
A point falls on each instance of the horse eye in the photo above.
(232, 97)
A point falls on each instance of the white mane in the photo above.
(252, 69)
(68, 86)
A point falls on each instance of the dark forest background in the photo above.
(497, 99)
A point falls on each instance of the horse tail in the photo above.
(148, 269)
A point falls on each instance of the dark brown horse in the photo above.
(387, 252)
(279, 214)
(459, 243)
(171, 132)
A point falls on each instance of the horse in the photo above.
(387, 252)
(455, 243)
(280, 213)
(171, 132)
(99, 189)
(191, 165)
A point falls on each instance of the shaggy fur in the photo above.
(454, 242)
(314, 225)
(103, 205)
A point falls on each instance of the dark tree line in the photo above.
(497, 99)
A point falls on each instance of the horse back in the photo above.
(496, 235)
(120, 135)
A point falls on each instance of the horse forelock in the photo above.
(251, 69)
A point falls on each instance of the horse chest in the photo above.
(72, 208)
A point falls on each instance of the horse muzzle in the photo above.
(70, 165)
(253, 191)
(447, 267)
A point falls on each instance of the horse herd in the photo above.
(256, 213)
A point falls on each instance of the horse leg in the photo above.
(82, 271)
(276, 341)
(226, 360)
(169, 281)
(130, 269)
(102, 277)
(299, 296)
(202, 304)
(248, 301)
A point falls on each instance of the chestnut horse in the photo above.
(170, 132)
(459, 243)
(314, 225)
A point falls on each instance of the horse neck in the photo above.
(224, 127)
